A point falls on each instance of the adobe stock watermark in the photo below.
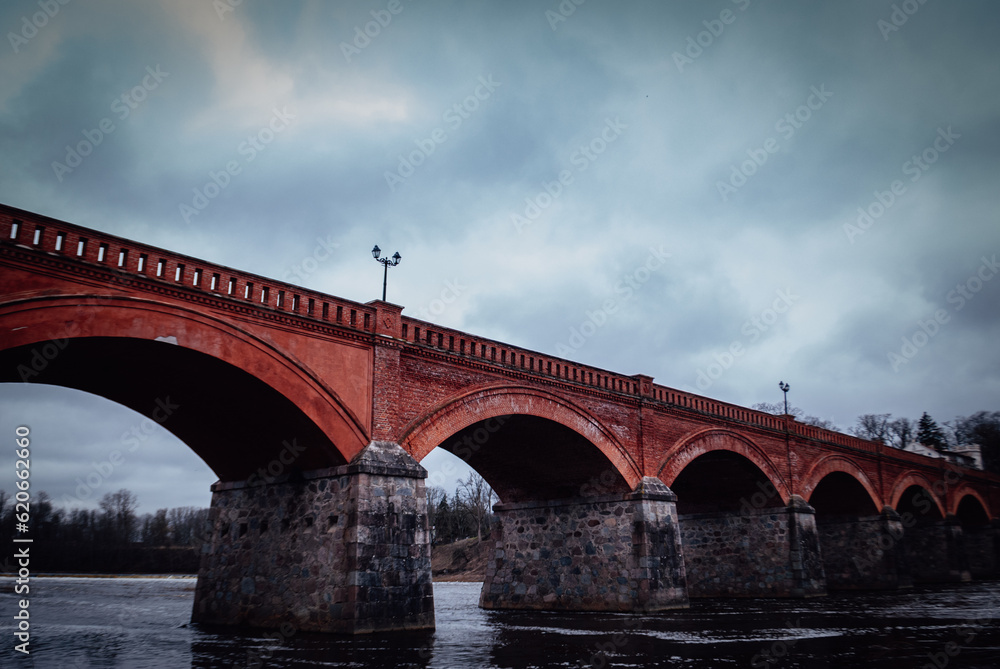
(581, 159)
(624, 290)
(563, 11)
(604, 650)
(31, 25)
(308, 266)
(786, 126)
(363, 35)
(453, 117)
(132, 439)
(449, 294)
(929, 328)
(924, 503)
(915, 168)
(468, 446)
(900, 14)
(777, 650)
(223, 7)
(696, 45)
(122, 107)
(752, 330)
(967, 632)
(43, 353)
(269, 473)
(248, 149)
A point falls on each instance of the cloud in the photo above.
(465, 262)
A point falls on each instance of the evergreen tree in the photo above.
(929, 434)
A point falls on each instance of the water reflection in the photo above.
(137, 623)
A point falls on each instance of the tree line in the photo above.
(467, 513)
(111, 539)
(982, 428)
(115, 538)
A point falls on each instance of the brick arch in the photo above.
(426, 432)
(33, 319)
(717, 439)
(967, 491)
(838, 463)
(913, 478)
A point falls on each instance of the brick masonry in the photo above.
(348, 376)
(769, 552)
(340, 550)
(610, 553)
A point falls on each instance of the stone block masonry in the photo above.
(864, 553)
(610, 553)
(342, 547)
(340, 550)
(982, 547)
(936, 552)
(770, 552)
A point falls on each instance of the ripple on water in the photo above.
(142, 622)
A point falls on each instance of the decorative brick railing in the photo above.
(462, 344)
(456, 342)
(126, 259)
(129, 259)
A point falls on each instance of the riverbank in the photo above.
(463, 561)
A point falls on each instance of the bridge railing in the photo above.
(129, 260)
(759, 418)
(456, 342)
(474, 348)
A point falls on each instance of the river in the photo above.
(144, 622)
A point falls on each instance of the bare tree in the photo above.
(187, 525)
(479, 498)
(777, 408)
(118, 516)
(156, 529)
(901, 430)
(872, 426)
(819, 422)
(434, 496)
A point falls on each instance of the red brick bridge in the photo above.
(616, 493)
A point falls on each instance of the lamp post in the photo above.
(387, 263)
(788, 442)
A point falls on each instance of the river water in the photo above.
(144, 622)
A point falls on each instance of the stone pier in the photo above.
(935, 550)
(344, 549)
(982, 548)
(610, 553)
(767, 552)
(864, 553)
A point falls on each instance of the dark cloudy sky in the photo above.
(785, 190)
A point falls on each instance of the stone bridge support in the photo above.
(864, 553)
(936, 550)
(609, 553)
(345, 549)
(765, 552)
(982, 548)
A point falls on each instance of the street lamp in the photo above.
(788, 442)
(784, 388)
(387, 263)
